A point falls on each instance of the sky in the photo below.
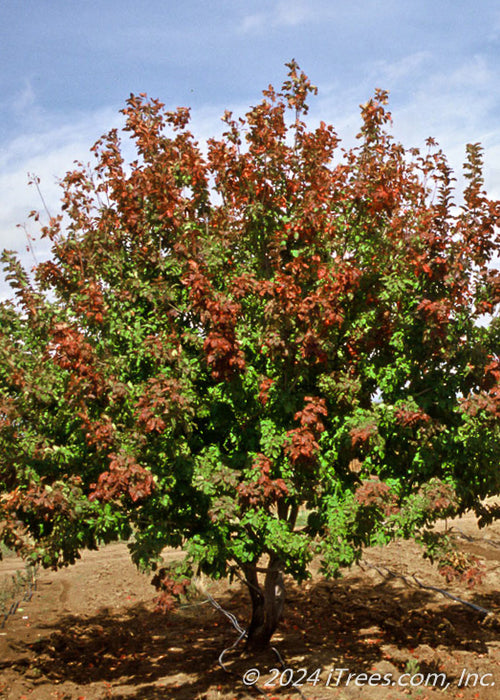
(68, 67)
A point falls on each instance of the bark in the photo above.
(267, 604)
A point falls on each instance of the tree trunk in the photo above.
(267, 604)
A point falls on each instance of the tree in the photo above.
(270, 351)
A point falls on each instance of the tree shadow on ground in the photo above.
(328, 625)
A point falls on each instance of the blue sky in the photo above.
(67, 68)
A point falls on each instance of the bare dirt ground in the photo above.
(91, 632)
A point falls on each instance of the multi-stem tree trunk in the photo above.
(267, 603)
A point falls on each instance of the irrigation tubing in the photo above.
(242, 634)
(477, 608)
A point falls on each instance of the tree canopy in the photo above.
(262, 350)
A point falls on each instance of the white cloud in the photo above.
(254, 22)
(402, 70)
(290, 13)
(47, 153)
(24, 99)
(456, 107)
(343, 16)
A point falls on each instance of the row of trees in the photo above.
(220, 335)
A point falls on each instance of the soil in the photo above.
(91, 631)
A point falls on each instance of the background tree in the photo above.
(220, 337)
